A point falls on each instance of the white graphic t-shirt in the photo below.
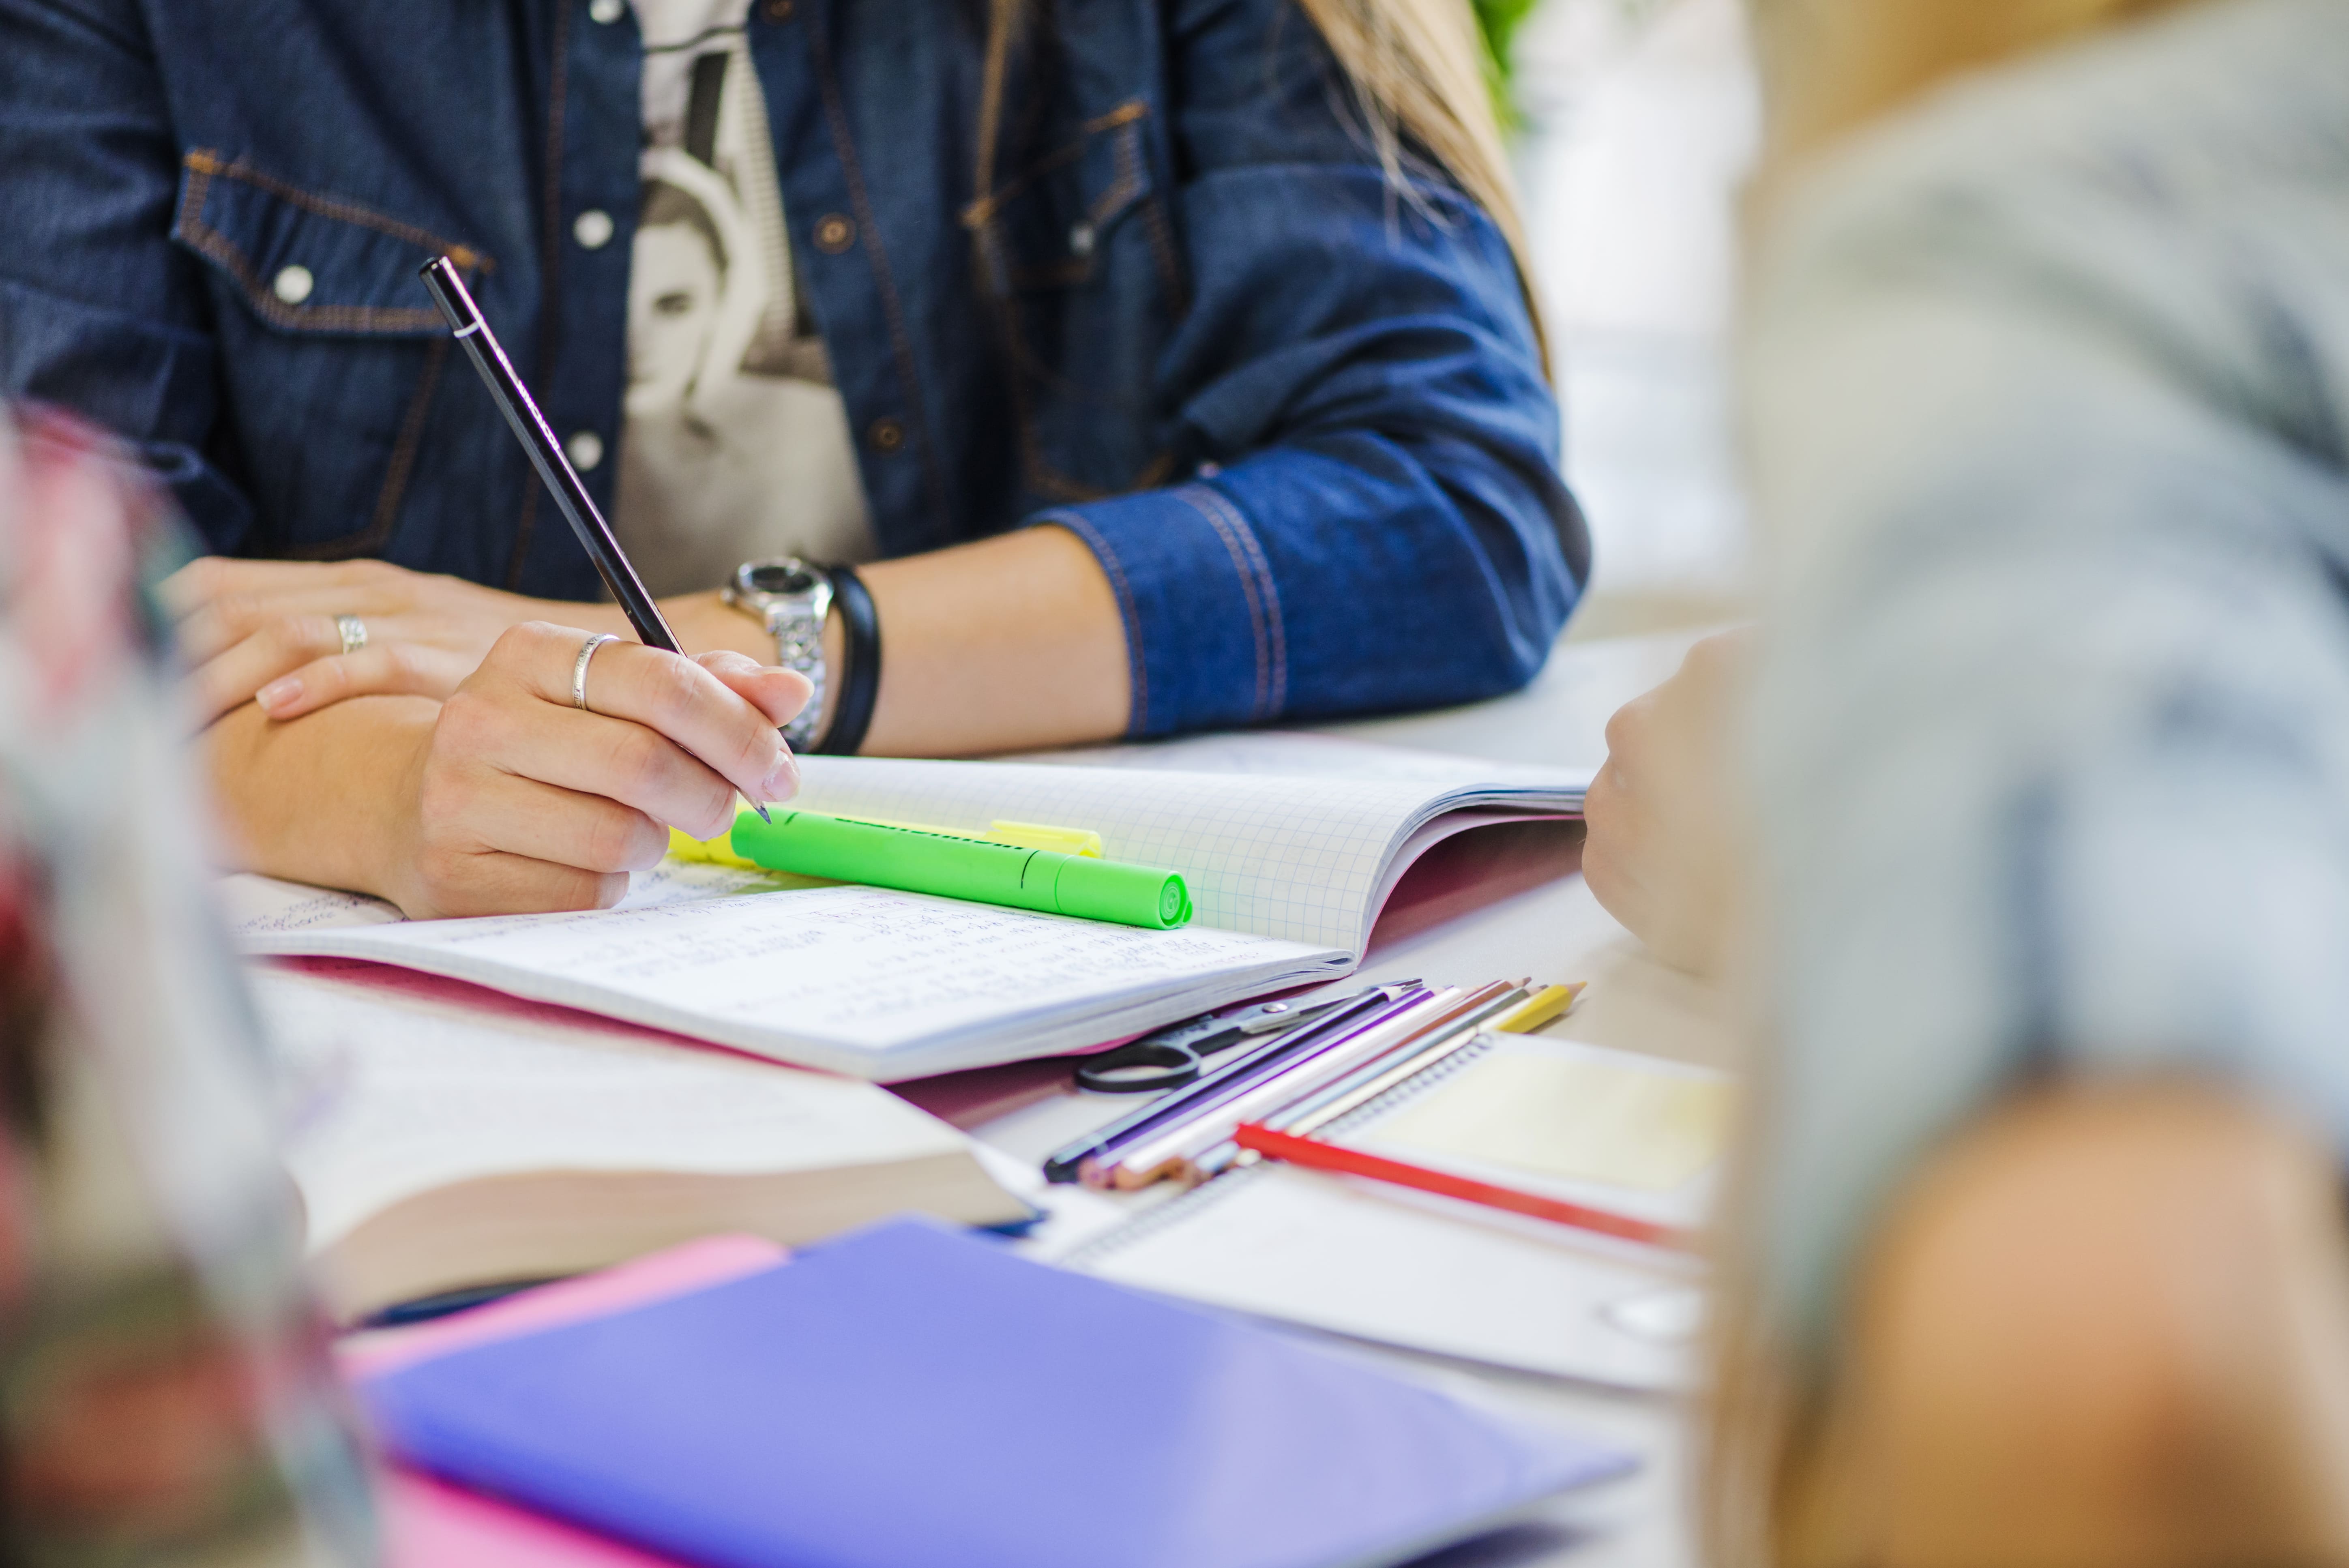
(737, 445)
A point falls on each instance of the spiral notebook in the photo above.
(1626, 1133)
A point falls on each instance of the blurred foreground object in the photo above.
(1669, 831)
(164, 1394)
(2050, 456)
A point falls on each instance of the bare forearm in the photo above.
(1006, 644)
(315, 799)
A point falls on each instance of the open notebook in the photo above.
(1290, 845)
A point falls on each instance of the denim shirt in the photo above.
(1151, 287)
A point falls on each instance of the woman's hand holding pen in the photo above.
(506, 798)
(519, 800)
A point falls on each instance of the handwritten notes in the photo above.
(860, 980)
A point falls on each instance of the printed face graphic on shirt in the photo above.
(676, 284)
(736, 446)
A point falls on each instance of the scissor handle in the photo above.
(1139, 1066)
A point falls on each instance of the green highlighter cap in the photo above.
(845, 850)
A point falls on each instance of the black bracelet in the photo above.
(860, 683)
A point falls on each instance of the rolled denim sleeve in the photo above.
(1380, 521)
(99, 313)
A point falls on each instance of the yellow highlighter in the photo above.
(720, 852)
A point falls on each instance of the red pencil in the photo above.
(1355, 1162)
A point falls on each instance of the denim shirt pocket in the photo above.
(1077, 256)
(306, 262)
(338, 350)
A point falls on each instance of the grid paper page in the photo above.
(1297, 858)
(1302, 754)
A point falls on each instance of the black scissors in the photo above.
(1174, 1057)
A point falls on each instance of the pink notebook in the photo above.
(429, 1523)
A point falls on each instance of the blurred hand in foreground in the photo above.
(1664, 850)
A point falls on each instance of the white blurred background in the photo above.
(1639, 120)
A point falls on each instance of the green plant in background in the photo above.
(1498, 21)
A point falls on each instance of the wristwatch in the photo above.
(792, 599)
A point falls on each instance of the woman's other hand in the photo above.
(266, 632)
(1664, 850)
(516, 799)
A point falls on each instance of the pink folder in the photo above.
(429, 1523)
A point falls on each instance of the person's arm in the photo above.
(99, 312)
(1009, 644)
(1375, 520)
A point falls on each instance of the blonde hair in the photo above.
(1417, 69)
(1830, 65)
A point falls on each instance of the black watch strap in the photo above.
(860, 683)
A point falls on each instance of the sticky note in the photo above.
(1570, 1116)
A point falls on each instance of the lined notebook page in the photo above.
(854, 979)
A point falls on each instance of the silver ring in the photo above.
(579, 668)
(353, 633)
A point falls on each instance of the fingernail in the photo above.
(279, 693)
(782, 780)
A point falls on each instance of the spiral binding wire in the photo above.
(1411, 1088)
(1172, 1212)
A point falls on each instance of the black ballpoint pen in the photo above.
(537, 439)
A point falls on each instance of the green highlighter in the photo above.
(912, 860)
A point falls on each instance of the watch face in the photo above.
(773, 577)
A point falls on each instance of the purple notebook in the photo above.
(909, 1396)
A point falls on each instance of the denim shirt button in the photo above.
(833, 234)
(604, 13)
(592, 229)
(292, 284)
(1080, 239)
(887, 435)
(585, 449)
(776, 10)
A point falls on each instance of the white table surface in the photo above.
(1556, 931)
